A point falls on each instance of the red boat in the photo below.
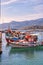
(26, 38)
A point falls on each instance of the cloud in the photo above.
(11, 1)
(38, 9)
(32, 1)
(7, 2)
(36, 1)
(21, 1)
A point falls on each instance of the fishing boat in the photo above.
(20, 39)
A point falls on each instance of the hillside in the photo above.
(22, 24)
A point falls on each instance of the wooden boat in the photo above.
(26, 44)
(22, 40)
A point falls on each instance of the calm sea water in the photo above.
(21, 58)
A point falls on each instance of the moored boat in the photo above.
(20, 39)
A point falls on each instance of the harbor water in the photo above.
(31, 57)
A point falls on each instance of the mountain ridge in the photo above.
(17, 25)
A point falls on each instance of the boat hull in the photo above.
(8, 40)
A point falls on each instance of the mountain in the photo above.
(17, 25)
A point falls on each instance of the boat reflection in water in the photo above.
(26, 54)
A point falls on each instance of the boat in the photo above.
(19, 39)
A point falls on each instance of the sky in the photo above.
(20, 10)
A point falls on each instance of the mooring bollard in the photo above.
(0, 42)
